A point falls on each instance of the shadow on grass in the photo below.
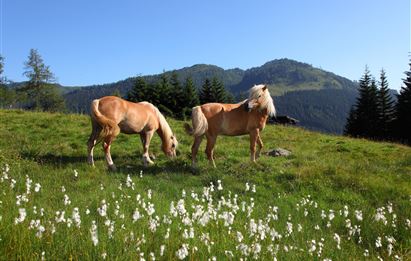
(53, 160)
(129, 164)
(178, 166)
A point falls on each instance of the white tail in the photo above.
(200, 124)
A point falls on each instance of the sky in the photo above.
(104, 41)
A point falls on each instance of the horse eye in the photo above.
(259, 96)
(173, 145)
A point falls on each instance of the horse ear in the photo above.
(265, 87)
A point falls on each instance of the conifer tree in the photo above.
(403, 111)
(162, 96)
(177, 96)
(2, 78)
(41, 93)
(139, 92)
(206, 95)
(190, 96)
(351, 126)
(218, 92)
(363, 118)
(385, 108)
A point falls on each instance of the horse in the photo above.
(111, 115)
(246, 117)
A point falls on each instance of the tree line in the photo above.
(175, 98)
(376, 115)
(39, 92)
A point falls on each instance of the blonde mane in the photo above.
(167, 133)
(266, 100)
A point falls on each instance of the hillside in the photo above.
(335, 197)
(284, 77)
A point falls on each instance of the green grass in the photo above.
(324, 173)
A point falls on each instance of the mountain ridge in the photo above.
(303, 91)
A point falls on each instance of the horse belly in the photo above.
(129, 129)
(233, 128)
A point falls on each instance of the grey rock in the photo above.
(279, 152)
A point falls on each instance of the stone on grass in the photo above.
(278, 152)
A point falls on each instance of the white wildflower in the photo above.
(162, 248)
(28, 184)
(346, 211)
(358, 215)
(93, 232)
(338, 240)
(182, 252)
(103, 209)
(136, 215)
(239, 237)
(37, 187)
(12, 183)
(378, 242)
(380, 215)
(253, 189)
(219, 187)
(67, 200)
(22, 216)
(76, 217)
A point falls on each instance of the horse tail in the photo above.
(200, 124)
(109, 127)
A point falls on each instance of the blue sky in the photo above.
(93, 42)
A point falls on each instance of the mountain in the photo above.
(319, 99)
(301, 91)
(285, 75)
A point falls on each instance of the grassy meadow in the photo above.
(334, 198)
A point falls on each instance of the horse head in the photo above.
(170, 147)
(260, 99)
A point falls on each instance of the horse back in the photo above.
(131, 117)
(232, 119)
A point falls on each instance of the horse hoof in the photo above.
(112, 168)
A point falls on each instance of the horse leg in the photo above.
(253, 140)
(106, 146)
(145, 139)
(91, 143)
(260, 146)
(210, 149)
(194, 149)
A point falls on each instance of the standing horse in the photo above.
(247, 117)
(111, 115)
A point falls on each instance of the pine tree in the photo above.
(385, 109)
(190, 97)
(162, 96)
(218, 91)
(177, 96)
(403, 111)
(351, 126)
(116, 93)
(42, 94)
(139, 92)
(363, 119)
(206, 95)
(2, 78)
(6, 95)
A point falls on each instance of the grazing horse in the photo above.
(111, 115)
(247, 117)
